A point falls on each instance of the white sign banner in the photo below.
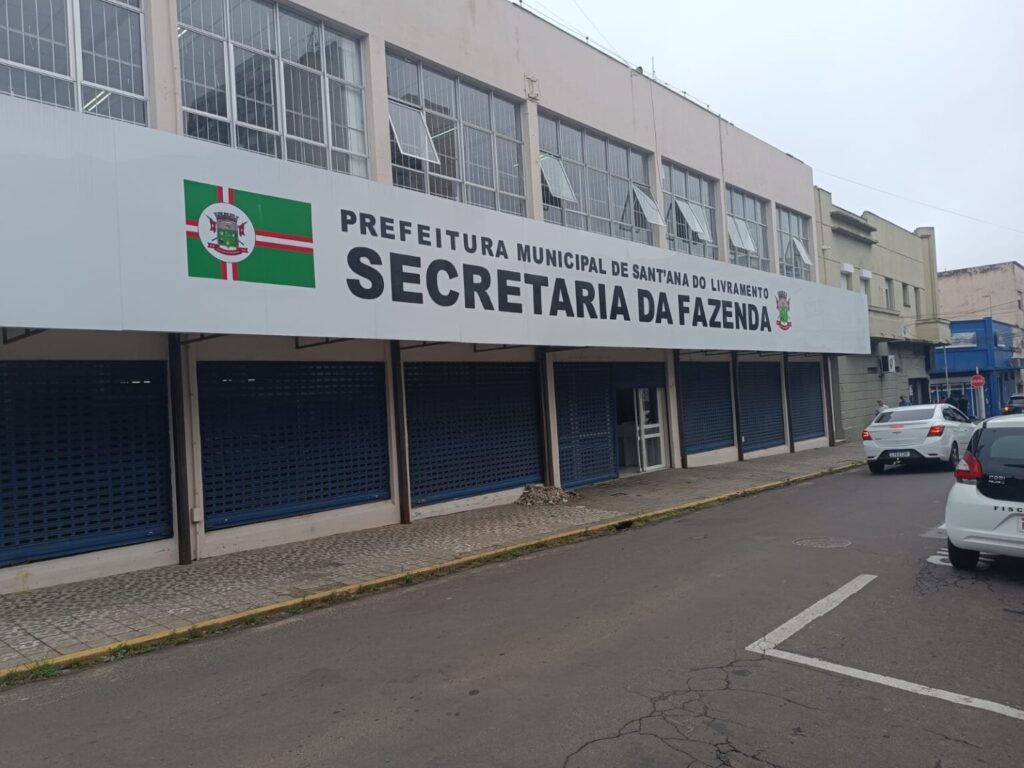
(110, 226)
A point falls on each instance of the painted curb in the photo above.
(352, 590)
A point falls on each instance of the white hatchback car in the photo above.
(985, 506)
(916, 434)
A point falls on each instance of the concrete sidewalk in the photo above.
(89, 618)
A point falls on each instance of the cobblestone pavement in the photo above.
(49, 622)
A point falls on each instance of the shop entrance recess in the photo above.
(641, 429)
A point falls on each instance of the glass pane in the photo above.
(97, 101)
(574, 173)
(548, 136)
(410, 132)
(618, 160)
(652, 451)
(479, 151)
(510, 167)
(300, 41)
(595, 153)
(597, 194)
(638, 168)
(570, 143)
(255, 90)
(305, 153)
(513, 205)
(403, 80)
(32, 85)
(203, 79)
(252, 24)
(207, 128)
(257, 141)
(444, 132)
(207, 15)
(111, 46)
(348, 129)
(438, 93)
(35, 33)
(647, 206)
(556, 179)
(444, 188)
(621, 200)
(342, 57)
(303, 105)
(475, 106)
(485, 198)
(350, 164)
(506, 118)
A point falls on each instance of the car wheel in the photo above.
(962, 559)
(876, 467)
(954, 456)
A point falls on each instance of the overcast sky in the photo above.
(920, 98)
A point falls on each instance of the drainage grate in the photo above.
(823, 542)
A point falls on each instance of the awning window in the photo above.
(739, 235)
(648, 206)
(557, 179)
(411, 134)
(801, 251)
(695, 219)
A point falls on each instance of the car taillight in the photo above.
(865, 435)
(968, 470)
(1006, 409)
(936, 431)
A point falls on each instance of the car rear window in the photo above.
(906, 414)
(1000, 450)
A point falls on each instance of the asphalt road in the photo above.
(620, 651)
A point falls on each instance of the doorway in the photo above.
(640, 429)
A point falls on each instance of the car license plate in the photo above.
(899, 454)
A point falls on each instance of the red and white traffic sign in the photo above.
(977, 381)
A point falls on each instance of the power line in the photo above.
(920, 202)
(597, 29)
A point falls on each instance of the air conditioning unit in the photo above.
(887, 364)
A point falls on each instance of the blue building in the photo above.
(984, 346)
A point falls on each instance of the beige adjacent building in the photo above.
(991, 290)
(896, 269)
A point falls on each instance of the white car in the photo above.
(985, 506)
(916, 434)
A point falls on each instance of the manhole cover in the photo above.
(823, 542)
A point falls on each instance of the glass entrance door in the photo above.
(649, 404)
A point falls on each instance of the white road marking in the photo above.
(805, 617)
(766, 646)
(903, 685)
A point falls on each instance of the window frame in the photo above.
(75, 77)
(888, 293)
(685, 242)
(741, 222)
(580, 210)
(799, 264)
(280, 135)
(906, 295)
(513, 203)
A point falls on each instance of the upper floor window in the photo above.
(94, 65)
(906, 295)
(890, 298)
(454, 139)
(794, 244)
(295, 88)
(590, 182)
(847, 281)
(690, 213)
(747, 224)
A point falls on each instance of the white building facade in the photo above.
(275, 271)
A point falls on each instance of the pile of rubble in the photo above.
(540, 495)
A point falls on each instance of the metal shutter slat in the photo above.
(808, 418)
(705, 402)
(473, 428)
(84, 457)
(282, 439)
(585, 404)
(762, 422)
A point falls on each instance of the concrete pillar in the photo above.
(556, 470)
(531, 160)
(163, 68)
(672, 411)
(378, 130)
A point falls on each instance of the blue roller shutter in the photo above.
(282, 439)
(807, 409)
(84, 457)
(585, 403)
(705, 402)
(762, 423)
(473, 428)
(636, 375)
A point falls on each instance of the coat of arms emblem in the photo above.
(782, 302)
